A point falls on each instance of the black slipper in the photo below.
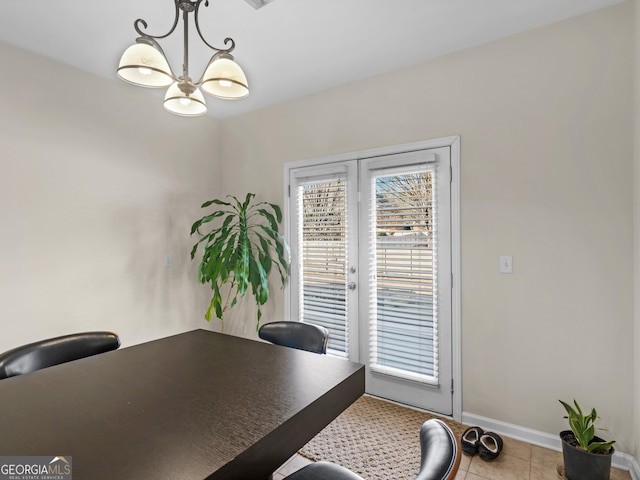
(470, 440)
(490, 446)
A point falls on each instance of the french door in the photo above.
(371, 247)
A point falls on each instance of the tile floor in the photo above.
(518, 461)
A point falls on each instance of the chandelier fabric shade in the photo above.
(144, 64)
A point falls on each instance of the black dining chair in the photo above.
(53, 351)
(300, 335)
(440, 458)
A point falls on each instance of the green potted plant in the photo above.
(586, 456)
(239, 252)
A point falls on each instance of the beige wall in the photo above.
(98, 183)
(545, 122)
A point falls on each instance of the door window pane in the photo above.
(322, 251)
(403, 332)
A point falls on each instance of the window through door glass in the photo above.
(403, 333)
(322, 254)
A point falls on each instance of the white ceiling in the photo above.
(288, 48)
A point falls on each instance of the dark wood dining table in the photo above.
(198, 405)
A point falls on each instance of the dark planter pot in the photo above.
(581, 465)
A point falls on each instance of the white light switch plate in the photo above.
(506, 264)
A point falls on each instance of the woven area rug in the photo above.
(375, 439)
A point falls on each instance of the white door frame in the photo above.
(453, 142)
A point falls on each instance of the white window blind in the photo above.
(322, 250)
(404, 334)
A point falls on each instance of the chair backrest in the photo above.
(440, 451)
(53, 351)
(300, 335)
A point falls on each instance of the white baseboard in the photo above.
(620, 460)
(635, 470)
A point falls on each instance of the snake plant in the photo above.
(239, 252)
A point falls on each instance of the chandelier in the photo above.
(144, 64)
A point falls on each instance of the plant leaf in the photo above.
(212, 202)
(270, 218)
(278, 212)
(203, 220)
(208, 315)
(604, 446)
(247, 201)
